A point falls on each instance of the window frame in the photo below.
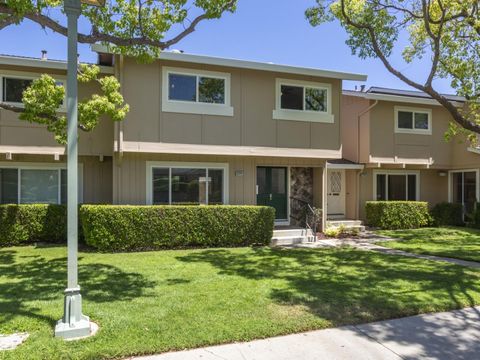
(30, 76)
(184, 165)
(302, 115)
(450, 182)
(406, 173)
(413, 110)
(195, 107)
(45, 166)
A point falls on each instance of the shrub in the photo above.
(131, 228)
(397, 214)
(28, 223)
(447, 214)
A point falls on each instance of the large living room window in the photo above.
(464, 188)
(187, 184)
(413, 121)
(303, 101)
(34, 184)
(396, 186)
(196, 92)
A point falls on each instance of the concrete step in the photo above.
(291, 232)
(290, 240)
(346, 223)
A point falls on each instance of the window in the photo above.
(13, 86)
(396, 186)
(187, 184)
(417, 121)
(12, 89)
(196, 92)
(463, 189)
(35, 185)
(303, 101)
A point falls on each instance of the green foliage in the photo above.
(133, 228)
(446, 32)
(445, 214)
(21, 224)
(44, 97)
(397, 214)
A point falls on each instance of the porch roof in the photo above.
(344, 164)
(195, 149)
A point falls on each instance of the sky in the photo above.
(260, 30)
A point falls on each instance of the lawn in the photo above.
(459, 243)
(158, 301)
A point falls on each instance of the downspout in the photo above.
(120, 123)
(359, 173)
(324, 197)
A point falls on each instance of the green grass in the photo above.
(158, 301)
(458, 243)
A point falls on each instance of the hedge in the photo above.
(20, 224)
(447, 214)
(134, 228)
(397, 214)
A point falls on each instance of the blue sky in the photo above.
(262, 30)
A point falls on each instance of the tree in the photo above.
(138, 28)
(447, 31)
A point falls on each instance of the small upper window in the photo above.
(13, 88)
(303, 101)
(194, 88)
(196, 92)
(413, 121)
(303, 98)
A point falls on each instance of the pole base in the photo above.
(74, 324)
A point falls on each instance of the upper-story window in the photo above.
(196, 92)
(12, 89)
(303, 101)
(413, 121)
(13, 86)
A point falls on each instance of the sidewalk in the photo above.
(448, 335)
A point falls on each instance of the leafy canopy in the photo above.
(138, 28)
(446, 31)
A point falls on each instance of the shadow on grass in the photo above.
(37, 278)
(348, 286)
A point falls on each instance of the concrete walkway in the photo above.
(442, 336)
(368, 242)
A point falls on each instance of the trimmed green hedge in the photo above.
(447, 214)
(20, 224)
(133, 228)
(397, 214)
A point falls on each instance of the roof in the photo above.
(244, 64)
(15, 60)
(397, 95)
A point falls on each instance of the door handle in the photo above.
(270, 197)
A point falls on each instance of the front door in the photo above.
(336, 193)
(272, 189)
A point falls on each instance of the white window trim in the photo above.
(477, 181)
(45, 166)
(188, 107)
(185, 165)
(30, 76)
(302, 115)
(395, 172)
(413, 110)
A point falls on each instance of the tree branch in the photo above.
(97, 36)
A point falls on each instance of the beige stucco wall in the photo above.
(15, 132)
(385, 143)
(253, 100)
(354, 127)
(129, 176)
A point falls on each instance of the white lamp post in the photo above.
(73, 324)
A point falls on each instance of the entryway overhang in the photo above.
(229, 150)
(344, 164)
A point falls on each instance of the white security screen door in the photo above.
(336, 192)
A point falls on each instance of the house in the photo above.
(206, 130)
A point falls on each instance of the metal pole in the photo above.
(73, 324)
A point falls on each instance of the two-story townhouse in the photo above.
(201, 130)
(399, 136)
